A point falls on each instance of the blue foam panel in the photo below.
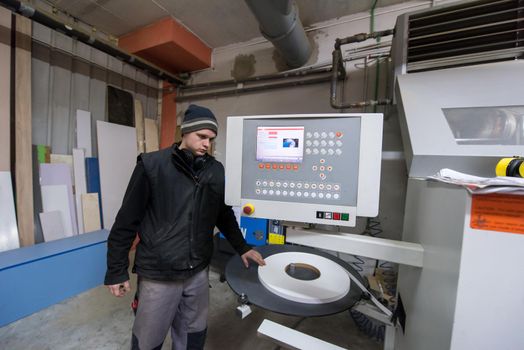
(93, 182)
(36, 277)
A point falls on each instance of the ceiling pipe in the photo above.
(44, 19)
(255, 79)
(280, 24)
(250, 89)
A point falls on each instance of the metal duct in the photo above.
(111, 50)
(280, 24)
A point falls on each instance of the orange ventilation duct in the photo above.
(169, 45)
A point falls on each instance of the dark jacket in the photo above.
(174, 208)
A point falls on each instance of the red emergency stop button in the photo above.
(248, 209)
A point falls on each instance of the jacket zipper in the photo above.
(193, 218)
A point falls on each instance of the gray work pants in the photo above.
(181, 306)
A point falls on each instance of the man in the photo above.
(174, 200)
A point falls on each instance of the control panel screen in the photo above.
(280, 144)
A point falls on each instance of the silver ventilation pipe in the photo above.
(280, 24)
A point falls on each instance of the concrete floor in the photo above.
(97, 320)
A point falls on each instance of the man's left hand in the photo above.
(252, 255)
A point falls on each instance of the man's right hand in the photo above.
(119, 290)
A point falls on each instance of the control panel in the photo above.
(308, 168)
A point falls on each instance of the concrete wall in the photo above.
(68, 75)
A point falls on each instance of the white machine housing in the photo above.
(369, 135)
(464, 296)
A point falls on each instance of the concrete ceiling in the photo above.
(216, 22)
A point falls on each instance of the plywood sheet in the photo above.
(23, 141)
(60, 174)
(8, 227)
(83, 131)
(52, 225)
(5, 88)
(62, 158)
(139, 125)
(117, 159)
(151, 134)
(91, 212)
(79, 170)
(56, 198)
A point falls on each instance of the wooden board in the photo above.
(8, 228)
(62, 158)
(52, 225)
(23, 172)
(151, 135)
(139, 125)
(56, 198)
(5, 87)
(83, 131)
(117, 159)
(91, 212)
(79, 170)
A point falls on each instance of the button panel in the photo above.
(325, 173)
(305, 189)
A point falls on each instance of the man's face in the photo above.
(198, 142)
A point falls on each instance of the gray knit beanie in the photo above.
(198, 118)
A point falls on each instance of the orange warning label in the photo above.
(498, 212)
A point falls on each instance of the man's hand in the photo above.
(252, 255)
(119, 290)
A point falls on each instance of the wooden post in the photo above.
(23, 154)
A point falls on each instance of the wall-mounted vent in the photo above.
(467, 33)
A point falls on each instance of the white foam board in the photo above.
(56, 198)
(79, 169)
(8, 228)
(83, 131)
(52, 225)
(117, 159)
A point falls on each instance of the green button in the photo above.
(345, 216)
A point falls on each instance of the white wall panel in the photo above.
(83, 132)
(56, 198)
(117, 159)
(8, 228)
(60, 174)
(52, 225)
(79, 170)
